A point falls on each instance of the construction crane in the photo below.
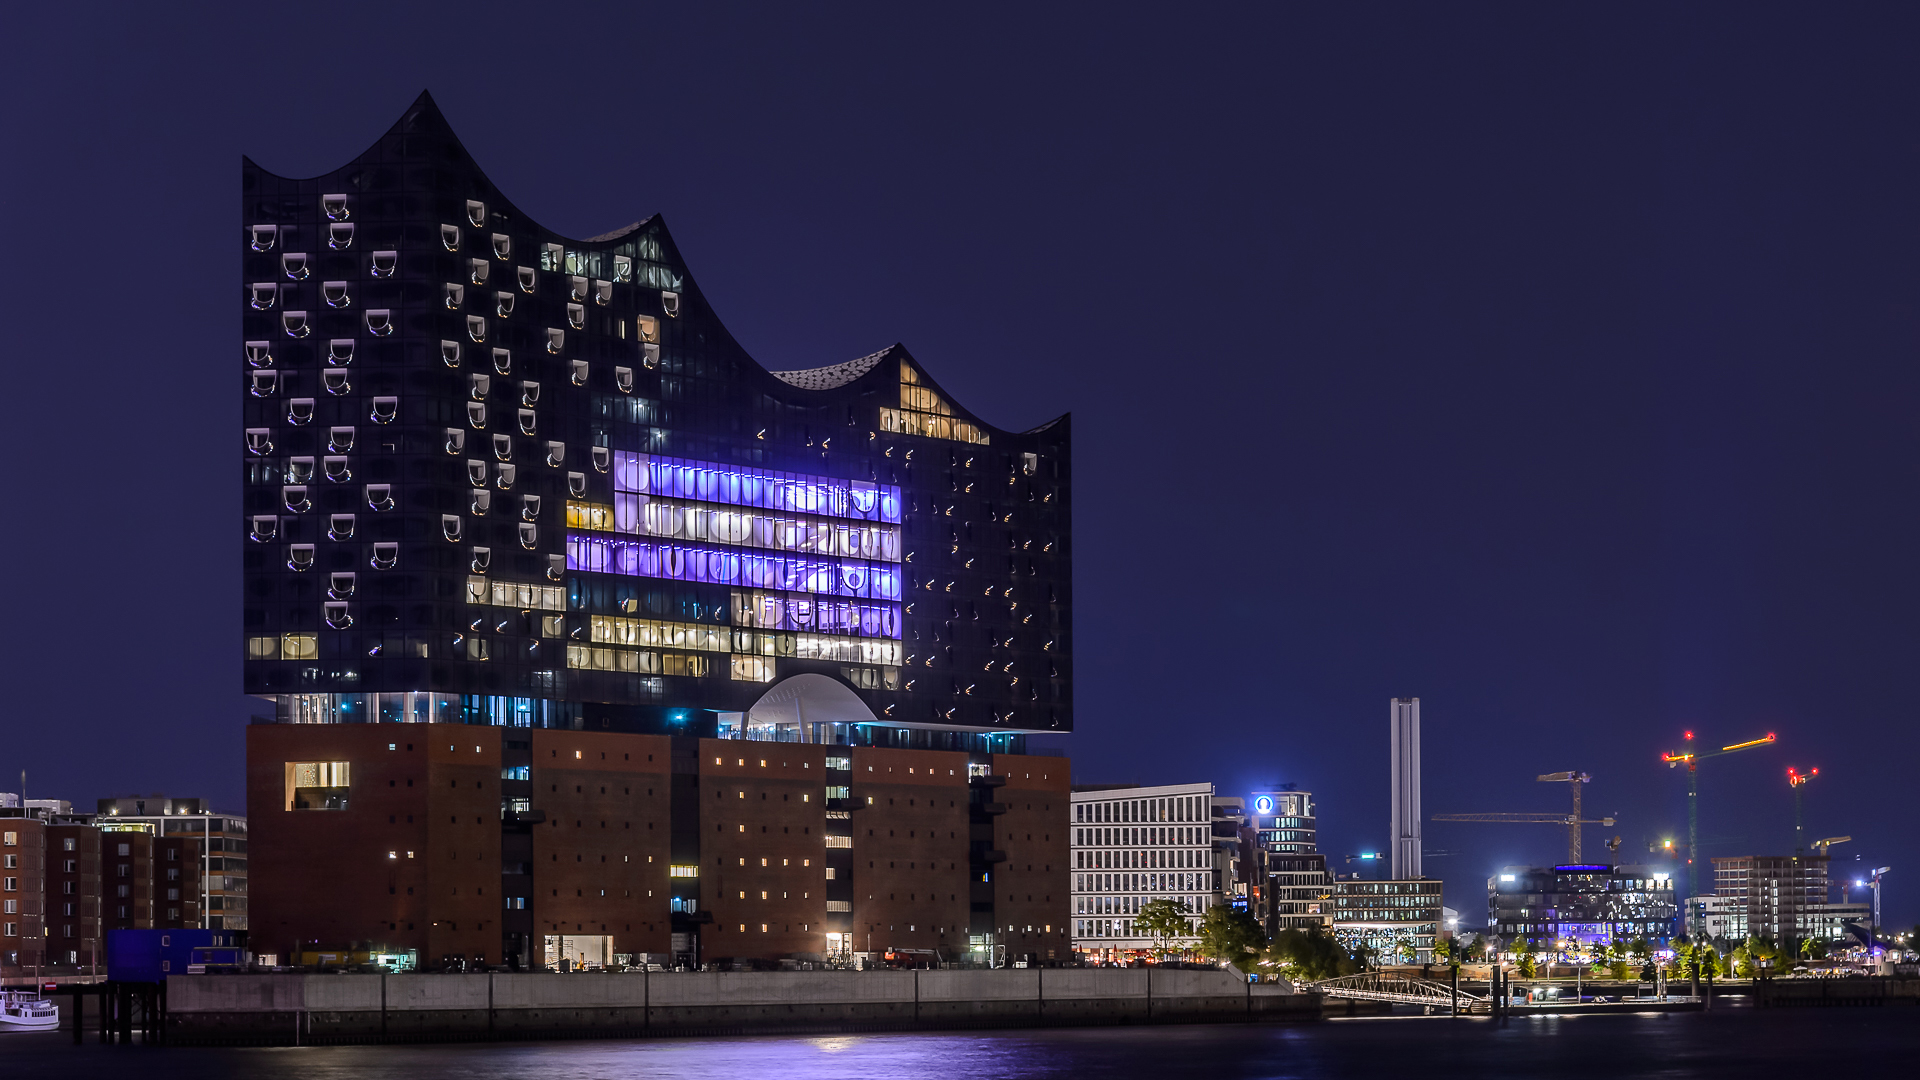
(1572, 821)
(1871, 881)
(1820, 846)
(1797, 780)
(1691, 758)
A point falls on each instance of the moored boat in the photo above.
(26, 1010)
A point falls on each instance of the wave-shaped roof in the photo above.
(424, 119)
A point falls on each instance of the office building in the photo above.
(1787, 898)
(1299, 888)
(1132, 845)
(1588, 903)
(1396, 920)
(702, 659)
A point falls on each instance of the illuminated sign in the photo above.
(1264, 804)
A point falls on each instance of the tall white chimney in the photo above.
(1405, 721)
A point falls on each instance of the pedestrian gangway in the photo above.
(1400, 990)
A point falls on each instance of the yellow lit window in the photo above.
(683, 664)
(583, 515)
(751, 669)
(317, 785)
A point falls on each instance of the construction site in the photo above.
(1596, 903)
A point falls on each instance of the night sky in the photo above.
(1554, 364)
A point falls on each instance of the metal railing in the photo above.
(1399, 989)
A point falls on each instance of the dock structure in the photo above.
(300, 1009)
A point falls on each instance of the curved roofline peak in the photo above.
(424, 116)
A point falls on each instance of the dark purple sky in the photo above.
(1553, 364)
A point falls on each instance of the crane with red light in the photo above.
(1797, 780)
(1691, 758)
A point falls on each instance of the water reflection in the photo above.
(1726, 1043)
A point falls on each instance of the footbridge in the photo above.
(1400, 990)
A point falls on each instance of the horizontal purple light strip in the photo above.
(709, 481)
(826, 576)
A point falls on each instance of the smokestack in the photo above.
(1405, 723)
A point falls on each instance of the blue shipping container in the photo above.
(152, 955)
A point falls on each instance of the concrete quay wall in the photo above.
(289, 1009)
(1853, 991)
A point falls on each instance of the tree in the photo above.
(1477, 951)
(1640, 952)
(1163, 921)
(1711, 966)
(1619, 961)
(1527, 965)
(1742, 962)
(1813, 948)
(1230, 936)
(1309, 955)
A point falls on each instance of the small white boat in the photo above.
(26, 1010)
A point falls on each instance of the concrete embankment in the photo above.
(1852, 991)
(288, 1009)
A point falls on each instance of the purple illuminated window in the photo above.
(682, 562)
(712, 482)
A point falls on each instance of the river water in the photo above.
(1728, 1042)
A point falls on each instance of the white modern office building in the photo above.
(1132, 845)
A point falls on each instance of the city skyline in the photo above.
(1583, 416)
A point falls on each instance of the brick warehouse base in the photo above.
(738, 849)
(313, 1009)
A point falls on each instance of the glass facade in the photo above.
(1397, 921)
(1588, 904)
(494, 475)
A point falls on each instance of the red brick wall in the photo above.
(462, 860)
(413, 862)
(600, 858)
(910, 850)
(762, 852)
(1032, 901)
(28, 856)
(79, 932)
(136, 872)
